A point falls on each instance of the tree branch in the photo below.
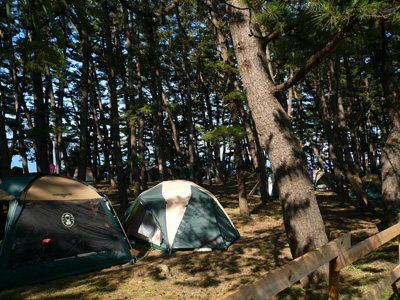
(329, 48)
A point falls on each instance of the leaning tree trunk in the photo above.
(303, 221)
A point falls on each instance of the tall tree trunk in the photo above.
(354, 128)
(194, 176)
(236, 108)
(95, 165)
(58, 132)
(104, 139)
(391, 150)
(59, 123)
(333, 144)
(84, 133)
(5, 159)
(372, 163)
(157, 114)
(49, 82)
(239, 165)
(5, 155)
(141, 123)
(117, 154)
(303, 221)
(340, 135)
(40, 130)
(132, 108)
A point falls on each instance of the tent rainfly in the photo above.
(179, 215)
(56, 227)
(320, 179)
(271, 185)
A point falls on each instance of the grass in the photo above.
(261, 248)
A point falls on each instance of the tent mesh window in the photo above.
(54, 230)
(143, 224)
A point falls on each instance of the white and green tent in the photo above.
(179, 215)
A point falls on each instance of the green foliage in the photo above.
(237, 96)
(147, 109)
(336, 14)
(275, 12)
(226, 67)
(224, 132)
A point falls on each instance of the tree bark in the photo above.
(132, 108)
(194, 169)
(391, 150)
(39, 131)
(83, 113)
(303, 221)
(157, 113)
(340, 136)
(141, 121)
(5, 159)
(235, 108)
(117, 154)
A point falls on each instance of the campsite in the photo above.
(262, 246)
(199, 149)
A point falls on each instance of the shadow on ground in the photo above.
(192, 275)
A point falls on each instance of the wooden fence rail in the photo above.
(338, 253)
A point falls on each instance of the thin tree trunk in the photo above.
(104, 139)
(5, 159)
(49, 81)
(95, 165)
(157, 104)
(340, 136)
(142, 147)
(234, 108)
(83, 112)
(194, 176)
(132, 107)
(369, 133)
(117, 154)
(5, 156)
(239, 166)
(40, 129)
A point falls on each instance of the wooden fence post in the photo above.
(333, 273)
(394, 286)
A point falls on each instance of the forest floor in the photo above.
(194, 275)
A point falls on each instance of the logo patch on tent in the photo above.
(67, 219)
(62, 195)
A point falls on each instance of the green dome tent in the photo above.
(372, 185)
(56, 227)
(179, 215)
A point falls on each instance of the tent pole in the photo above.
(120, 226)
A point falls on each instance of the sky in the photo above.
(17, 162)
